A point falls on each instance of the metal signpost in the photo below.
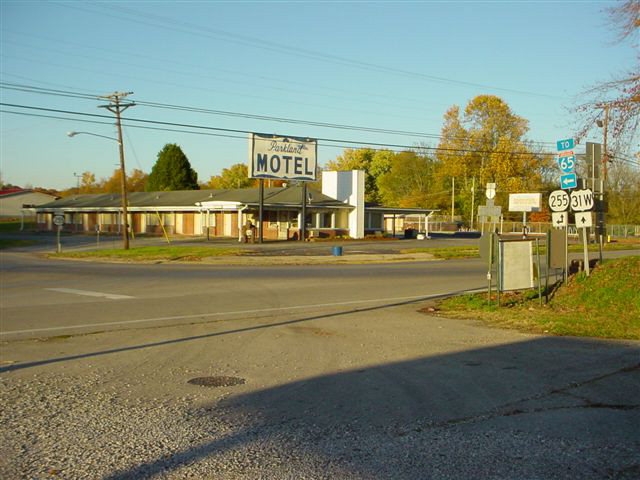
(58, 220)
(559, 203)
(582, 201)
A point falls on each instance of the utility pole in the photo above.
(117, 107)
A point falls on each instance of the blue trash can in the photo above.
(336, 251)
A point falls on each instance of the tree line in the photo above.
(483, 143)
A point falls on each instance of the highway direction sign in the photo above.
(567, 164)
(582, 200)
(560, 219)
(559, 201)
(568, 181)
(583, 220)
(566, 144)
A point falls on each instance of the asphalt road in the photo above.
(341, 376)
(56, 297)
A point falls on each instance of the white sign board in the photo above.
(584, 220)
(58, 220)
(525, 202)
(516, 265)
(581, 200)
(560, 219)
(287, 158)
(559, 201)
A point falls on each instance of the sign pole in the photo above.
(586, 251)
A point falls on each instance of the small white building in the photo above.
(18, 203)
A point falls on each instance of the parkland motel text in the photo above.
(283, 157)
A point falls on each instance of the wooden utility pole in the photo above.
(117, 107)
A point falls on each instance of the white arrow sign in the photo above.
(584, 220)
(560, 219)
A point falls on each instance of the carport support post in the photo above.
(260, 210)
(303, 224)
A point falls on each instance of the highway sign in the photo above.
(567, 164)
(582, 200)
(566, 144)
(568, 181)
(583, 220)
(491, 190)
(560, 219)
(559, 201)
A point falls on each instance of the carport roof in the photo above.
(375, 208)
(190, 199)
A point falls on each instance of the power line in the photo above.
(202, 110)
(230, 130)
(242, 135)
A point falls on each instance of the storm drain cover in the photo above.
(218, 381)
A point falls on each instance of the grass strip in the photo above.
(605, 304)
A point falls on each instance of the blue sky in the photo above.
(385, 65)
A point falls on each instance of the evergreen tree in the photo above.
(172, 171)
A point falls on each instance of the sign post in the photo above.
(283, 158)
(559, 200)
(58, 220)
(581, 202)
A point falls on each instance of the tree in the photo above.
(88, 183)
(172, 171)
(136, 181)
(236, 176)
(486, 144)
(623, 194)
(408, 182)
(373, 163)
(615, 102)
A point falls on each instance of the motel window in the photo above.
(374, 220)
(325, 220)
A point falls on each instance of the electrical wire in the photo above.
(199, 128)
(56, 92)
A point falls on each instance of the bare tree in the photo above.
(615, 104)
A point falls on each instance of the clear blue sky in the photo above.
(385, 65)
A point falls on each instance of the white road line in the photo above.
(88, 293)
(231, 313)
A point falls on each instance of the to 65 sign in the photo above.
(559, 201)
(567, 164)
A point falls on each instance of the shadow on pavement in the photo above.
(558, 408)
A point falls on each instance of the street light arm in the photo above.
(73, 134)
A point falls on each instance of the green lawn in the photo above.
(157, 253)
(605, 304)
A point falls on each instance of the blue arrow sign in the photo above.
(567, 164)
(566, 144)
(568, 181)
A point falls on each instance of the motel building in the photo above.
(338, 211)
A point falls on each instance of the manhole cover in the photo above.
(220, 381)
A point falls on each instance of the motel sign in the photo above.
(286, 158)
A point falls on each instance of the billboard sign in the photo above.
(285, 158)
(525, 202)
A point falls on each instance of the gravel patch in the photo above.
(74, 427)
